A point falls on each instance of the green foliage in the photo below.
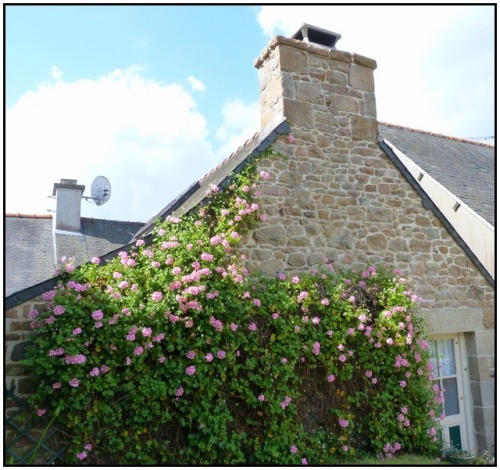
(173, 353)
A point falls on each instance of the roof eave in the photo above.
(428, 203)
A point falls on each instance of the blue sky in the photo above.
(153, 97)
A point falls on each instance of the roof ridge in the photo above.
(28, 216)
(435, 134)
(247, 143)
(114, 221)
(49, 216)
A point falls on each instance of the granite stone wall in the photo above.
(17, 331)
(335, 194)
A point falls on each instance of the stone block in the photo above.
(294, 231)
(345, 103)
(398, 244)
(336, 77)
(14, 370)
(481, 343)
(299, 241)
(290, 178)
(486, 441)
(309, 92)
(479, 369)
(19, 326)
(364, 128)
(298, 112)
(421, 246)
(315, 259)
(19, 351)
(274, 235)
(312, 229)
(361, 78)
(379, 214)
(271, 267)
(12, 337)
(293, 60)
(483, 393)
(259, 254)
(449, 320)
(26, 386)
(484, 418)
(377, 242)
(369, 108)
(13, 313)
(296, 260)
(342, 239)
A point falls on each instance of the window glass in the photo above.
(451, 404)
(455, 437)
(447, 357)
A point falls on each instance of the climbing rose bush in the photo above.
(172, 353)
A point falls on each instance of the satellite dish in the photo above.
(100, 190)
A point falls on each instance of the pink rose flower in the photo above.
(157, 296)
(221, 354)
(74, 382)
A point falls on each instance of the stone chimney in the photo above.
(68, 205)
(307, 81)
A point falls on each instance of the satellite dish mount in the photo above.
(100, 191)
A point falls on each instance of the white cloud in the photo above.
(240, 122)
(56, 73)
(148, 139)
(402, 39)
(196, 85)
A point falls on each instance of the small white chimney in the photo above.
(68, 204)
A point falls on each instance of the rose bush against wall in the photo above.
(173, 353)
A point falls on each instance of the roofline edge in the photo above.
(429, 204)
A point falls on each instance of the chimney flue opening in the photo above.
(318, 36)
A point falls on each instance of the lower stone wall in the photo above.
(17, 331)
(479, 344)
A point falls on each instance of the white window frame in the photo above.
(464, 392)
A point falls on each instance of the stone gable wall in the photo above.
(335, 194)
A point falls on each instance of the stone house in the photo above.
(361, 193)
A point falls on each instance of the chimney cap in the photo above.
(67, 183)
(317, 36)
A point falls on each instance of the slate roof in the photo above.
(464, 167)
(30, 254)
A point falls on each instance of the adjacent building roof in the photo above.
(464, 167)
(33, 248)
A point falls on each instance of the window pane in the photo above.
(434, 357)
(451, 405)
(455, 437)
(447, 356)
